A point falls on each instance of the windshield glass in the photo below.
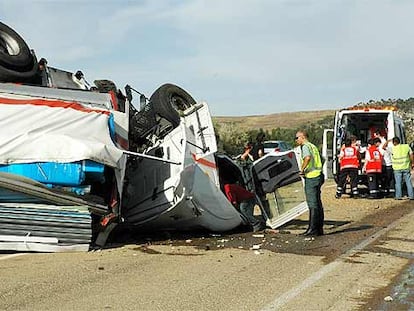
(271, 145)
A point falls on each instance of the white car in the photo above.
(276, 146)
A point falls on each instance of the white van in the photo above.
(363, 122)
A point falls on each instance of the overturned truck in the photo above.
(76, 160)
(61, 152)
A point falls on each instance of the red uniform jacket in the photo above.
(374, 164)
(349, 157)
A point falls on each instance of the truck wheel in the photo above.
(169, 100)
(17, 63)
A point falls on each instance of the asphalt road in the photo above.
(353, 267)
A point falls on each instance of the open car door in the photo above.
(280, 188)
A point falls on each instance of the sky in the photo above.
(243, 57)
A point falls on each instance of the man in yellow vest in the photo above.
(402, 163)
(311, 171)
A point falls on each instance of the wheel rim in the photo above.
(8, 45)
(179, 103)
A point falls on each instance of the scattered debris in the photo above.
(222, 241)
(258, 235)
(274, 231)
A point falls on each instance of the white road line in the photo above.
(11, 256)
(291, 294)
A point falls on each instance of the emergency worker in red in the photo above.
(349, 159)
(244, 201)
(373, 167)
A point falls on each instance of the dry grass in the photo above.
(275, 120)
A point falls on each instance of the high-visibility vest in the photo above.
(349, 157)
(374, 164)
(401, 157)
(314, 167)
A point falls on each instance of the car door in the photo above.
(328, 153)
(279, 187)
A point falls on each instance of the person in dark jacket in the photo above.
(258, 148)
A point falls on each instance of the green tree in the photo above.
(230, 138)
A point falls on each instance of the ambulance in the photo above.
(361, 121)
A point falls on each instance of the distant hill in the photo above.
(275, 120)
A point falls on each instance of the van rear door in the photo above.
(328, 153)
(390, 126)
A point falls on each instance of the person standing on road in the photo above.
(373, 167)
(388, 181)
(402, 163)
(244, 201)
(311, 171)
(258, 147)
(349, 158)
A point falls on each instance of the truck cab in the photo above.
(362, 122)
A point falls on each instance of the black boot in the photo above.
(309, 223)
(315, 228)
(320, 222)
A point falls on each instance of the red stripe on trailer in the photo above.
(122, 141)
(203, 161)
(51, 103)
(114, 100)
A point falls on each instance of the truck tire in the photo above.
(169, 100)
(17, 63)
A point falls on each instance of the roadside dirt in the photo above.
(204, 271)
(347, 223)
